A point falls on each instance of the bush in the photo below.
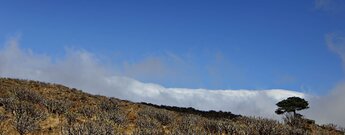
(258, 126)
(187, 124)
(57, 106)
(28, 96)
(108, 106)
(3, 118)
(147, 123)
(88, 128)
(87, 111)
(263, 126)
(117, 117)
(212, 127)
(330, 126)
(71, 118)
(223, 127)
(145, 131)
(27, 117)
(8, 103)
(162, 116)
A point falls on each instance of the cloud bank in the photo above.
(81, 69)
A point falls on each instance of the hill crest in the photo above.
(32, 107)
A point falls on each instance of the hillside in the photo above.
(31, 107)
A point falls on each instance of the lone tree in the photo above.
(292, 104)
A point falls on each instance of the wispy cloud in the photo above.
(163, 68)
(336, 43)
(330, 108)
(329, 5)
(150, 67)
(323, 4)
(81, 69)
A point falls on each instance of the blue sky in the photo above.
(191, 44)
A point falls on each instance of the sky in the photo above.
(207, 51)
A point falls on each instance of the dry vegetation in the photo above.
(31, 107)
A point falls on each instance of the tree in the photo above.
(292, 104)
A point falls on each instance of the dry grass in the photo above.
(31, 107)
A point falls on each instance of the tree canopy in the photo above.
(291, 104)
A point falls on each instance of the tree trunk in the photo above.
(294, 113)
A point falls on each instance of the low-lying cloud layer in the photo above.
(80, 69)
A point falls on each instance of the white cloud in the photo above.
(80, 69)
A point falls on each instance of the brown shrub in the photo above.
(87, 111)
(163, 116)
(57, 106)
(28, 96)
(89, 128)
(26, 117)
